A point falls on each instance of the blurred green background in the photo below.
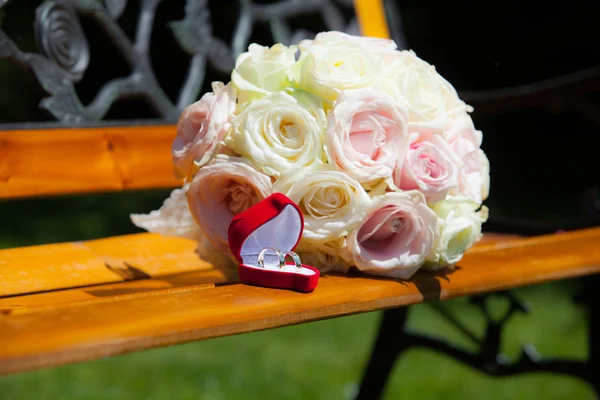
(482, 46)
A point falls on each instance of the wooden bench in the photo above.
(111, 296)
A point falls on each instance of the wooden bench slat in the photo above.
(90, 330)
(66, 265)
(203, 274)
(56, 266)
(371, 18)
(42, 302)
(81, 160)
(76, 264)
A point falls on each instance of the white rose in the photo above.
(474, 173)
(460, 224)
(331, 201)
(377, 46)
(311, 103)
(262, 70)
(327, 69)
(431, 99)
(277, 133)
(331, 255)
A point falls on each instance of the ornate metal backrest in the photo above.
(65, 53)
(95, 63)
(64, 57)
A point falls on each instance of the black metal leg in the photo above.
(393, 339)
(388, 346)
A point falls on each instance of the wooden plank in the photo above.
(95, 262)
(79, 160)
(94, 330)
(55, 266)
(41, 302)
(371, 18)
(66, 265)
(492, 238)
(142, 251)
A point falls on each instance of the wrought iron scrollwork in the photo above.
(115, 8)
(61, 39)
(65, 53)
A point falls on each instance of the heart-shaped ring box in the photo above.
(275, 222)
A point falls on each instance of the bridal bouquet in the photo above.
(375, 147)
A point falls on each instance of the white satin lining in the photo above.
(282, 233)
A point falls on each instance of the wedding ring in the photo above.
(261, 257)
(281, 257)
(294, 257)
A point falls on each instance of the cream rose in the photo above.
(377, 46)
(201, 129)
(262, 70)
(222, 189)
(278, 134)
(474, 172)
(431, 99)
(366, 135)
(327, 69)
(313, 104)
(460, 229)
(396, 235)
(327, 256)
(331, 201)
(430, 167)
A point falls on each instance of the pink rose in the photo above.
(366, 134)
(429, 167)
(474, 172)
(222, 189)
(396, 236)
(201, 128)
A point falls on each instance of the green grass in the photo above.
(321, 360)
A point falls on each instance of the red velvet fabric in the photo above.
(247, 222)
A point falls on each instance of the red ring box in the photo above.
(275, 222)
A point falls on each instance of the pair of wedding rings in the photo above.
(281, 256)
